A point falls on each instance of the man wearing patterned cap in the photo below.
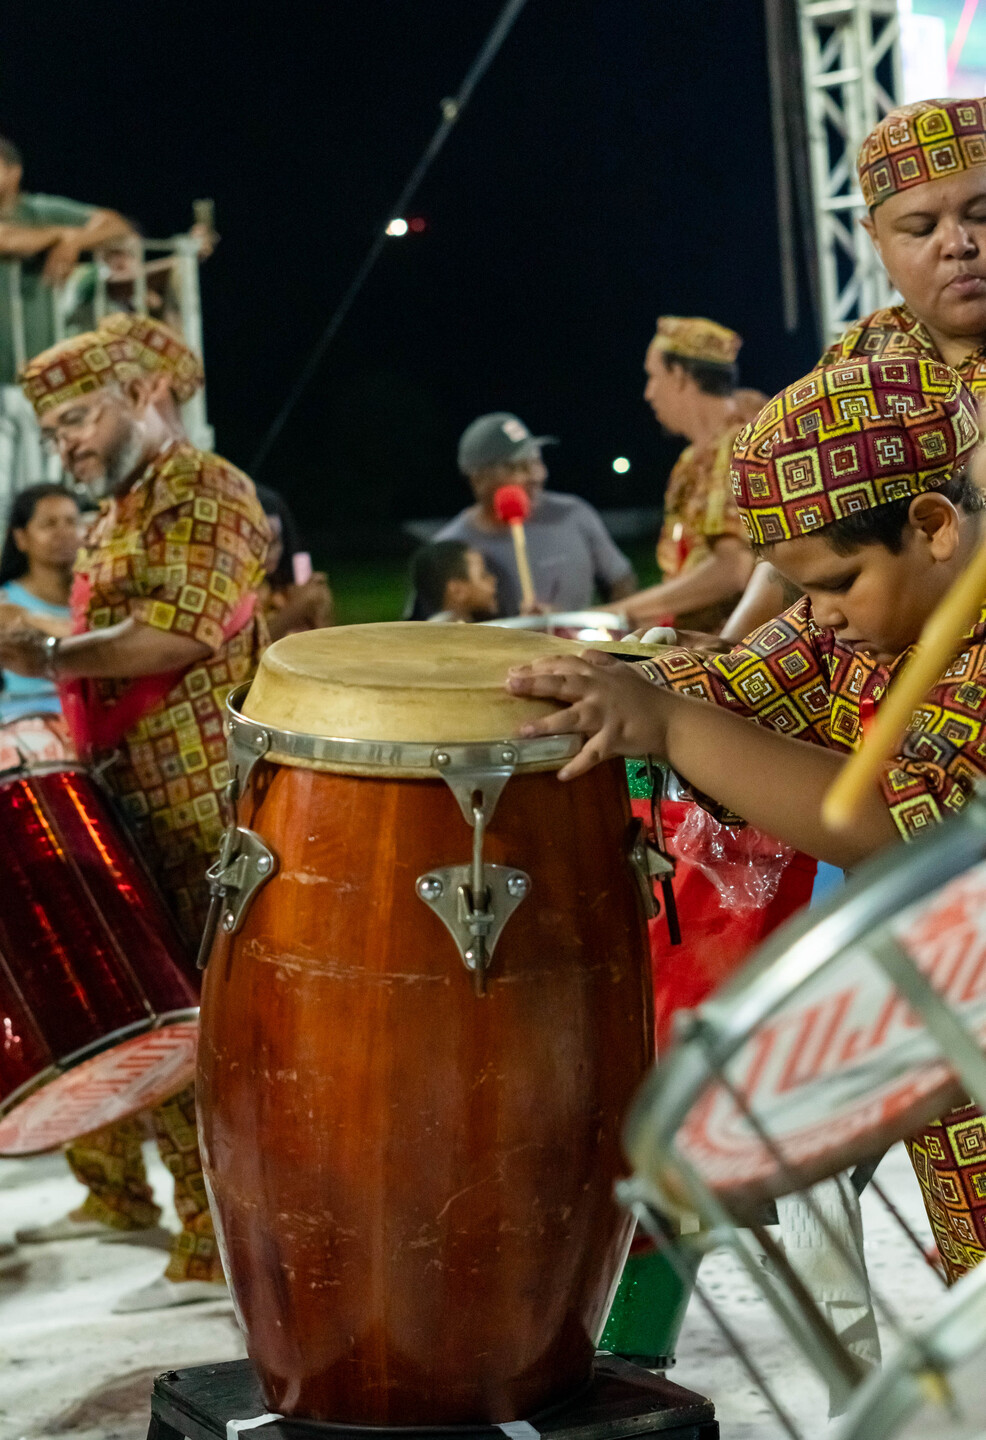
(164, 610)
(172, 364)
(922, 172)
(853, 482)
(703, 551)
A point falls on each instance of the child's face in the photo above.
(475, 595)
(873, 600)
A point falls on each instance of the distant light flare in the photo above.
(397, 226)
(621, 464)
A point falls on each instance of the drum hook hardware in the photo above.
(475, 901)
(247, 743)
(244, 864)
(649, 864)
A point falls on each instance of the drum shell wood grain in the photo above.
(413, 1185)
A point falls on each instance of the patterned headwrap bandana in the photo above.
(162, 349)
(88, 362)
(848, 437)
(692, 338)
(78, 366)
(929, 140)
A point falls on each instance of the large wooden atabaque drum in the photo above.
(425, 1012)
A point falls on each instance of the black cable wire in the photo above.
(452, 109)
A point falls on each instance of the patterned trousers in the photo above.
(949, 1159)
(110, 1164)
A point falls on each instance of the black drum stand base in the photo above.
(217, 1402)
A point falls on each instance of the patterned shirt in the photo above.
(698, 509)
(793, 677)
(181, 551)
(897, 331)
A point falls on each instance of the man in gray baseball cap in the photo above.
(568, 546)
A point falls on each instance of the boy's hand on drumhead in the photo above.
(612, 704)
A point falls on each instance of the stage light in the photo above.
(621, 464)
(397, 227)
(417, 224)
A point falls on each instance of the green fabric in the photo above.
(649, 1306)
(36, 296)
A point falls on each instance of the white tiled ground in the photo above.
(68, 1368)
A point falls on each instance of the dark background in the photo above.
(616, 162)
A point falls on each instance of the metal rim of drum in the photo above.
(952, 1335)
(27, 768)
(563, 620)
(876, 894)
(297, 747)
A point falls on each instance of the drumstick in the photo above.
(954, 615)
(513, 505)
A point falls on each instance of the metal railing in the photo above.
(180, 255)
(92, 292)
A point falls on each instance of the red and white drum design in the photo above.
(817, 1037)
(98, 996)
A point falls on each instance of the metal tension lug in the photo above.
(475, 927)
(244, 864)
(649, 864)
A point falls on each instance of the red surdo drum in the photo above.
(424, 1015)
(98, 995)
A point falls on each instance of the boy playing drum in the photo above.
(853, 483)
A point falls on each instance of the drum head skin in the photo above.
(133, 1076)
(818, 1041)
(405, 681)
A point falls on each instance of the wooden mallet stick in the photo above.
(952, 618)
(513, 505)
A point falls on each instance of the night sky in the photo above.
(616, 162)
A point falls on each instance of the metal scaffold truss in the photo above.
(852, 77)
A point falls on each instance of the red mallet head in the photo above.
(511, 503)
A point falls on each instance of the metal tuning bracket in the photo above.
(649, 864)
(244, 864)
(475, 901)
(247, 742)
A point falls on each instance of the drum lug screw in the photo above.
(442, 758)
(263, 864)
(430, 888)
(518, 886)
(229, 920)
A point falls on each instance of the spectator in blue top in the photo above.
(36, 562)
(569, 547)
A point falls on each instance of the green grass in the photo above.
(368, 590)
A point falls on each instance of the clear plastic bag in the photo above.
(743, 864)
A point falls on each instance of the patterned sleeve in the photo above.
(721, 516)
(785, 676)
(205, 551)
(777, 676)
(943, 755)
